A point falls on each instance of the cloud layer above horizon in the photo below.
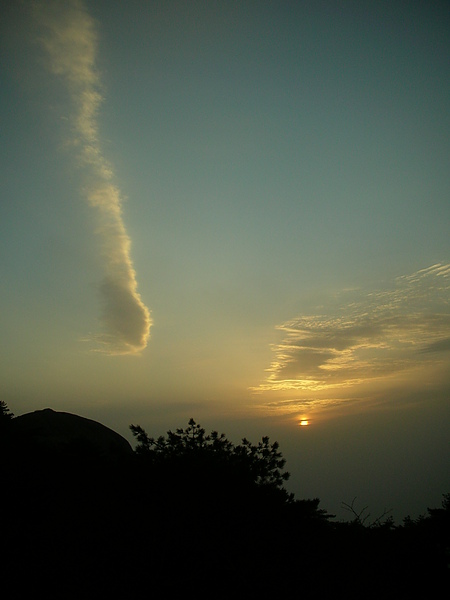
(369, 343)
(67, 34)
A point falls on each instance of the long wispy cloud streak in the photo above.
(67, 33)
(371, 341)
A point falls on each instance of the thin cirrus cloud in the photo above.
(370, 343)
(67, 33)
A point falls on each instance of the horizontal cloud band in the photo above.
(371, 337)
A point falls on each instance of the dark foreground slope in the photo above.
(81, 521)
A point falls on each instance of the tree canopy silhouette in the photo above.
(213, 456)
(5, 413)
(6, 416)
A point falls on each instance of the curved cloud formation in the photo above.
(68, 36)
(371, 340)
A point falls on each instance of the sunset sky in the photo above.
(237, 211)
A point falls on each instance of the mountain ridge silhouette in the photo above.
(63, 432)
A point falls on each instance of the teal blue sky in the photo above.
(239, 212)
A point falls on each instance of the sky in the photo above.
(236, 211)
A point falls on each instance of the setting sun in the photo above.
(304, 422)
